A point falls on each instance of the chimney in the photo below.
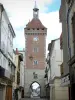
(16, 50)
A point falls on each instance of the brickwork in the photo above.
(35, 37)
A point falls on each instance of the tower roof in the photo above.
(35, 23)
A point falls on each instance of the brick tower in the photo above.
(35, 39)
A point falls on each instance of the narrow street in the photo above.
(37, 49)
(33, 99)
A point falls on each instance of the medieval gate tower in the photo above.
(35, 39)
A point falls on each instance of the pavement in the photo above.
(33, 99)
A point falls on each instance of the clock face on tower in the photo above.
(35, 38)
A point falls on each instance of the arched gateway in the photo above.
(35, 89)
(35, 39)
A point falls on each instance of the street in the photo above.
(33, 99)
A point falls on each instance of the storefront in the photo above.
(65, 81)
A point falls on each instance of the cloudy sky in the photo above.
(21, 11)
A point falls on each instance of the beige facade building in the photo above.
(53, 74)
(67, 18)
(17, 87)
(35, 39)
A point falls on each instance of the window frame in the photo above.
(35, 62)
(35, 49)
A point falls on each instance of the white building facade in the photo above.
(7, 67)
(55, 54)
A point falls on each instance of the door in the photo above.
(1, 93)
(8, 93)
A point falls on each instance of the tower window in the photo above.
(35, 62)
(35, 75)
(35, 49)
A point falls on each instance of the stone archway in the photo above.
(35, 89)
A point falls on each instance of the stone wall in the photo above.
(29, 79)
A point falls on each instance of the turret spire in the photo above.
(35, 11)
(35, 5)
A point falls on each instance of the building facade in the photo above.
(68, 11)
(35, 36)
(63, 19)
(57, 92)
(18, 86)
(22, 68)
(7, 67)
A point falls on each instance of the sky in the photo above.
(35, 85)
(21, 11)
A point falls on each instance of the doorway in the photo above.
(8, 93)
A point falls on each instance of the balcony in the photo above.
(4, 73)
